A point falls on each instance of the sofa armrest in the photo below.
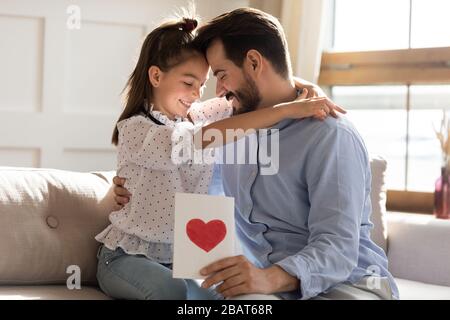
(419, 247)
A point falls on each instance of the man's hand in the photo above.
(314, 91)
(121, 194)
(239, 276)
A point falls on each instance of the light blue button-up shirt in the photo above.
(312, 218)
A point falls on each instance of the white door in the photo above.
(61, 78)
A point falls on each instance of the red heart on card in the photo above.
(206, 235)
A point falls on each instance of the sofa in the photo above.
(49, 217)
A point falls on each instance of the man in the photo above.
(305, 231)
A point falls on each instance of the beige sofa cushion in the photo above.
(419, 248)
(415, 290)
(52, 292)
(48, 220)
(378, 198)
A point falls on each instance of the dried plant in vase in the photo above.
(443, 136)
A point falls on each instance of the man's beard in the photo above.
(248, 96)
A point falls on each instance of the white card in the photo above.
(204, 232)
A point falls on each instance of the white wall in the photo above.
(60, 87)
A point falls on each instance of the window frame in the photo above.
(412, 66)
(404, 66)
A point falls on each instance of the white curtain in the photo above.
(305, 23)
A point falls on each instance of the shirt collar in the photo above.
(286, 122)
(161, 117)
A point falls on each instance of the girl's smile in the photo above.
(175, 90)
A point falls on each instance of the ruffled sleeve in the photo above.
(211, 110)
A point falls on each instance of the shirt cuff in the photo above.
(297, 267)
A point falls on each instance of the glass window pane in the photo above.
(379, 114)
(427, 103)
(430, 23)
(371, 97)
(362, 25)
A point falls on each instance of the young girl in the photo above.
(136, 256)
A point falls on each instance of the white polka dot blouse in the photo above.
(145, 158)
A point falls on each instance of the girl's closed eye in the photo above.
(188, 84)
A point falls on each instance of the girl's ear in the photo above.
(254, 61)
(154, 75)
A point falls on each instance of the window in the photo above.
(424, 162)
(430, 24)
(378, 114)
(362, 25)
(389, 65)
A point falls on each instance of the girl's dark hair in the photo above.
(165, 47)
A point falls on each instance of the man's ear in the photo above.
(154, 75)
(254, 60)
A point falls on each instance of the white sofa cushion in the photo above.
(52, 292)
(378, 194)
(414, 290)
(419, 248)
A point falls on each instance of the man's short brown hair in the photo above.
(245, 29)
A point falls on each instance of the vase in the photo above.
(442, 193)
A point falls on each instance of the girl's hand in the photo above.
(318, 108)
(314, 91)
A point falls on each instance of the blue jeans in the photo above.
(135, 277)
